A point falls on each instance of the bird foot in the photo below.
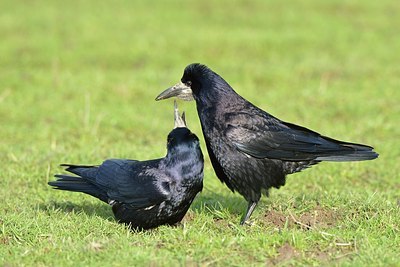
(247, 223)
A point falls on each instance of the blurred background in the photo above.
(88, 72)
(78, 81)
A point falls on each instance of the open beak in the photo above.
(180, 121)
(179, 90)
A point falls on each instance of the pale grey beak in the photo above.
(180, 90)
(180, 121)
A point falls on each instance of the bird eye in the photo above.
(189, 83)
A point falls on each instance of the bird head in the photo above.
(194, 78)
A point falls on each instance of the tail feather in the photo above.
(78, 184)
(350, 152)
(87, 171)
(74, 165)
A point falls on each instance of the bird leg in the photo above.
(250, 209)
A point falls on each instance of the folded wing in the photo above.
(268, 137)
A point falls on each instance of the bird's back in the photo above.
(252, 151)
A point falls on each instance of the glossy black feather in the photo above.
(251, 150)
(144, 194)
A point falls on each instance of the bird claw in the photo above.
(247, 223)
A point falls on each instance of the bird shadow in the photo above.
(208, 202)
(215, 203)
(87, 208)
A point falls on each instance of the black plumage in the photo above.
(145, 194)
(251, 150)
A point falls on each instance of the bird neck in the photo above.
(184, 161)
(214, 91)
(213, 100)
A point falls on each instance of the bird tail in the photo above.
(87, 171)
(79, 183)
(349, 152)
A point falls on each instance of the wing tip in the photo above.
(357, 156)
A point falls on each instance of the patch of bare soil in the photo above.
(332, 254)
(277, 219)
(285, 253)
(317, 217)
(321, 256)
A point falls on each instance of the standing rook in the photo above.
(250, 150)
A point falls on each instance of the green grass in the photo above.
(77, 85)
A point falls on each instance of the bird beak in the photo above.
(179, 90)
(180, 121)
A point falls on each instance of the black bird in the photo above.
(145, 194)
(251, 150)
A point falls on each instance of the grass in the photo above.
(77, 84)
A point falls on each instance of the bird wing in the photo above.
(138, 183)
(264, 136)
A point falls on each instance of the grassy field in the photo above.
(77, 85)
